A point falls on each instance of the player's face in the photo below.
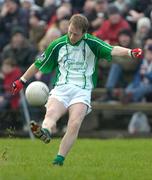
(74, 34)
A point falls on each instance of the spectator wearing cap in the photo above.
(111, 27)
(141, 84)
(19, 49)
(11, 15)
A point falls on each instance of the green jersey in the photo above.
(75, 64)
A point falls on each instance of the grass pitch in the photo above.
(23, 159)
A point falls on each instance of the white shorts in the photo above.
(70, 94)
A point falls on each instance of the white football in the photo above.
(37, 93)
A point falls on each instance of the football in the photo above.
(37, 93)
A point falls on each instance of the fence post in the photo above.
(26, 112)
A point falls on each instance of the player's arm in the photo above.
(31, 71)
(121, 51)
(45, 62)
(105, 51)
(19, 84)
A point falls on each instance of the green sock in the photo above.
(47, 132)
(59, 160)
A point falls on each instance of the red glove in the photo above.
(136, 53)
(17, 86)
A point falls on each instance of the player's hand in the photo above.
(136, 53)
(17, 86)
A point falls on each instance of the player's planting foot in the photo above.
(40, 132)
(59, 160)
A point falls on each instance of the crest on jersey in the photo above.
(41, 57)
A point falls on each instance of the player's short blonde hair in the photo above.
(80, 22)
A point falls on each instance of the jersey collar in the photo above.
(77, 43)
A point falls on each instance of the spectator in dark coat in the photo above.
(20, 49)
(95, 11)
(11, 15)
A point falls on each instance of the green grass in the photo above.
(23, 159)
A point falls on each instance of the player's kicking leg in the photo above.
(54, 110)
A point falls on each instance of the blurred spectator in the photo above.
(143, 27)
(140, 5)
(142, 82)
(122, 5)
(41, 2)
(61, 12)
(9, 105)
(63, 25)
(148, 12)
(101, 6)
(147, 41)
(30, 5)
(37, 28)
(9, 73)
(89, 12)
(139, 9)
(119, 67)
(48, 10)
(111, 27)
(11, 15)
(67, 4)
(95, 11)
(50, 35)
(77, 5)
(19, 49)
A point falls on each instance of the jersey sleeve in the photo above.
(47, 61)
(101, 49)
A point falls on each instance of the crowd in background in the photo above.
(28, 26)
